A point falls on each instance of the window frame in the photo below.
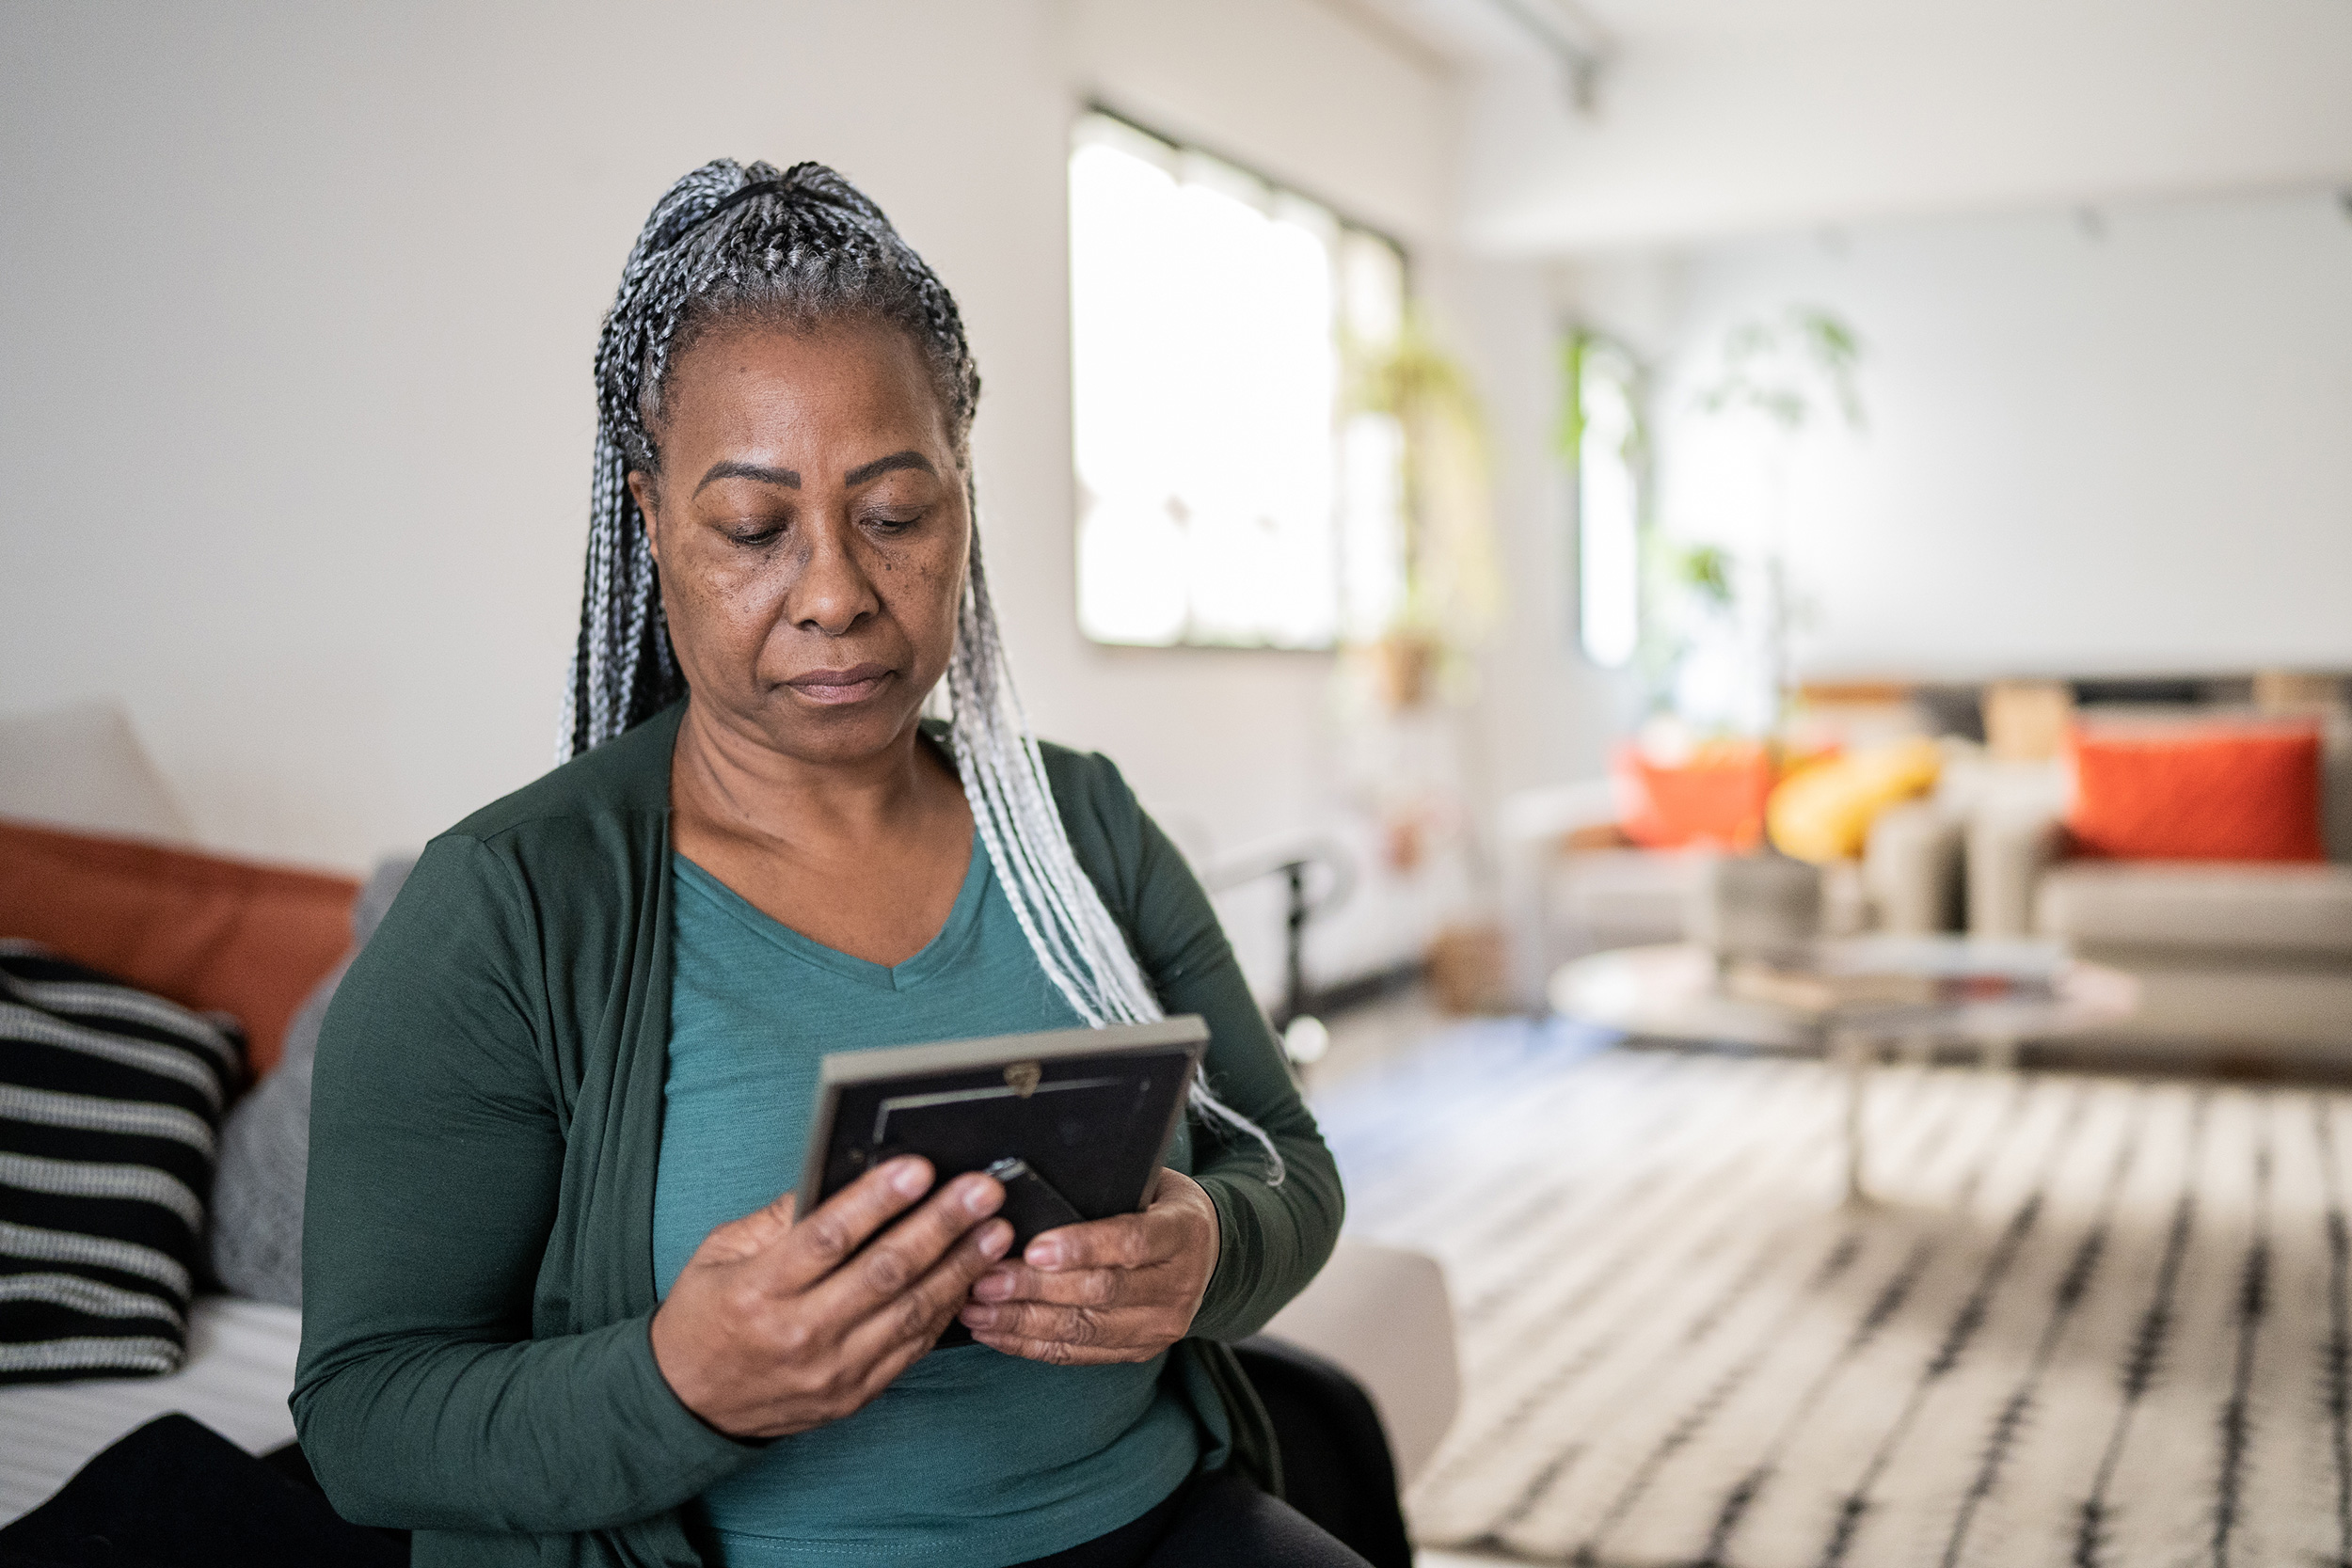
(1271, 188)
(1580, 344)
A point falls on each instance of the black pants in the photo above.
(1337, 1471)
(175, 1494)
(1213, 1521)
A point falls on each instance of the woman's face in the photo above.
(810, 524)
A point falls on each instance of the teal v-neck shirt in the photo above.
(971, 1458)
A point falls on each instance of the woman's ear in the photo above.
(644, 490)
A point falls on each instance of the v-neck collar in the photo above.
(943, 948)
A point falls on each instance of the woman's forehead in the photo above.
(762, 382)
(858, 349)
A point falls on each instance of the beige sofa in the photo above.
(1563, 899)
(2238, 964)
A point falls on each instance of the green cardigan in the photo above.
(487, 1112)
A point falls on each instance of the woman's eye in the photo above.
(752, 536)
(894, 522)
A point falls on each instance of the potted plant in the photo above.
(1451, 582)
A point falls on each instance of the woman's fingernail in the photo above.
(911, 1178)
(978, 1317)
(995, 1237)
(982, 1198)
(992, 1287)
(1044, 1254)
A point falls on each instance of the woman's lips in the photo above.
(855, 684)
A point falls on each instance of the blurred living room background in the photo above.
(1594, 523)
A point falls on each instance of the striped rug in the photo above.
(2089, 1321)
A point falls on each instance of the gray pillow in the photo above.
(256, 1241)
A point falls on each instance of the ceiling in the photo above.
(1710, 118)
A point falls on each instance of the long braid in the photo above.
(735, 240)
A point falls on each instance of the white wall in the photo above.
(1310, 92)
(1719, 116)
(2119, 442)
(1546, 713)
(298, 327)
(301, 302)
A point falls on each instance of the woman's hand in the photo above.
(1115, 1290)
(775, 1327)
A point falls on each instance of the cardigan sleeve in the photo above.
(1271, 1239)
(438, 1153)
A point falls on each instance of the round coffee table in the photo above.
(1849, 1000)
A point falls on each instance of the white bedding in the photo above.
(239, 1370)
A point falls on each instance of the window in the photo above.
(1605, 444)
(1227, 496)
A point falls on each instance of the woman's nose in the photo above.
(831, 593)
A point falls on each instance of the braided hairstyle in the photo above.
(732, 244)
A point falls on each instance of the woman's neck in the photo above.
(727, 778)
(863, 854)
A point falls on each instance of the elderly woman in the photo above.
(557, 1304)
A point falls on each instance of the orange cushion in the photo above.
(201, 930)
(2201, 793)
(1716, 798)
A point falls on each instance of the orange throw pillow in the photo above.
(1716, 798)
(201, 930)
(2207, 793)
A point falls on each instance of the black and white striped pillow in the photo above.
(110, 1099)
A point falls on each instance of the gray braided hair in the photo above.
(733, 242)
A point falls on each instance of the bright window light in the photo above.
(1608, 505)
(1225, 497)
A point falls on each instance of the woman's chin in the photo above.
(832, 729)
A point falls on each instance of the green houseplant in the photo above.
(1451, 588)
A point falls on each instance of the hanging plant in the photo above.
(1780, 369)
(1452, 587)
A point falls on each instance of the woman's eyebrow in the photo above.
(787, 477)
(884, 464)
